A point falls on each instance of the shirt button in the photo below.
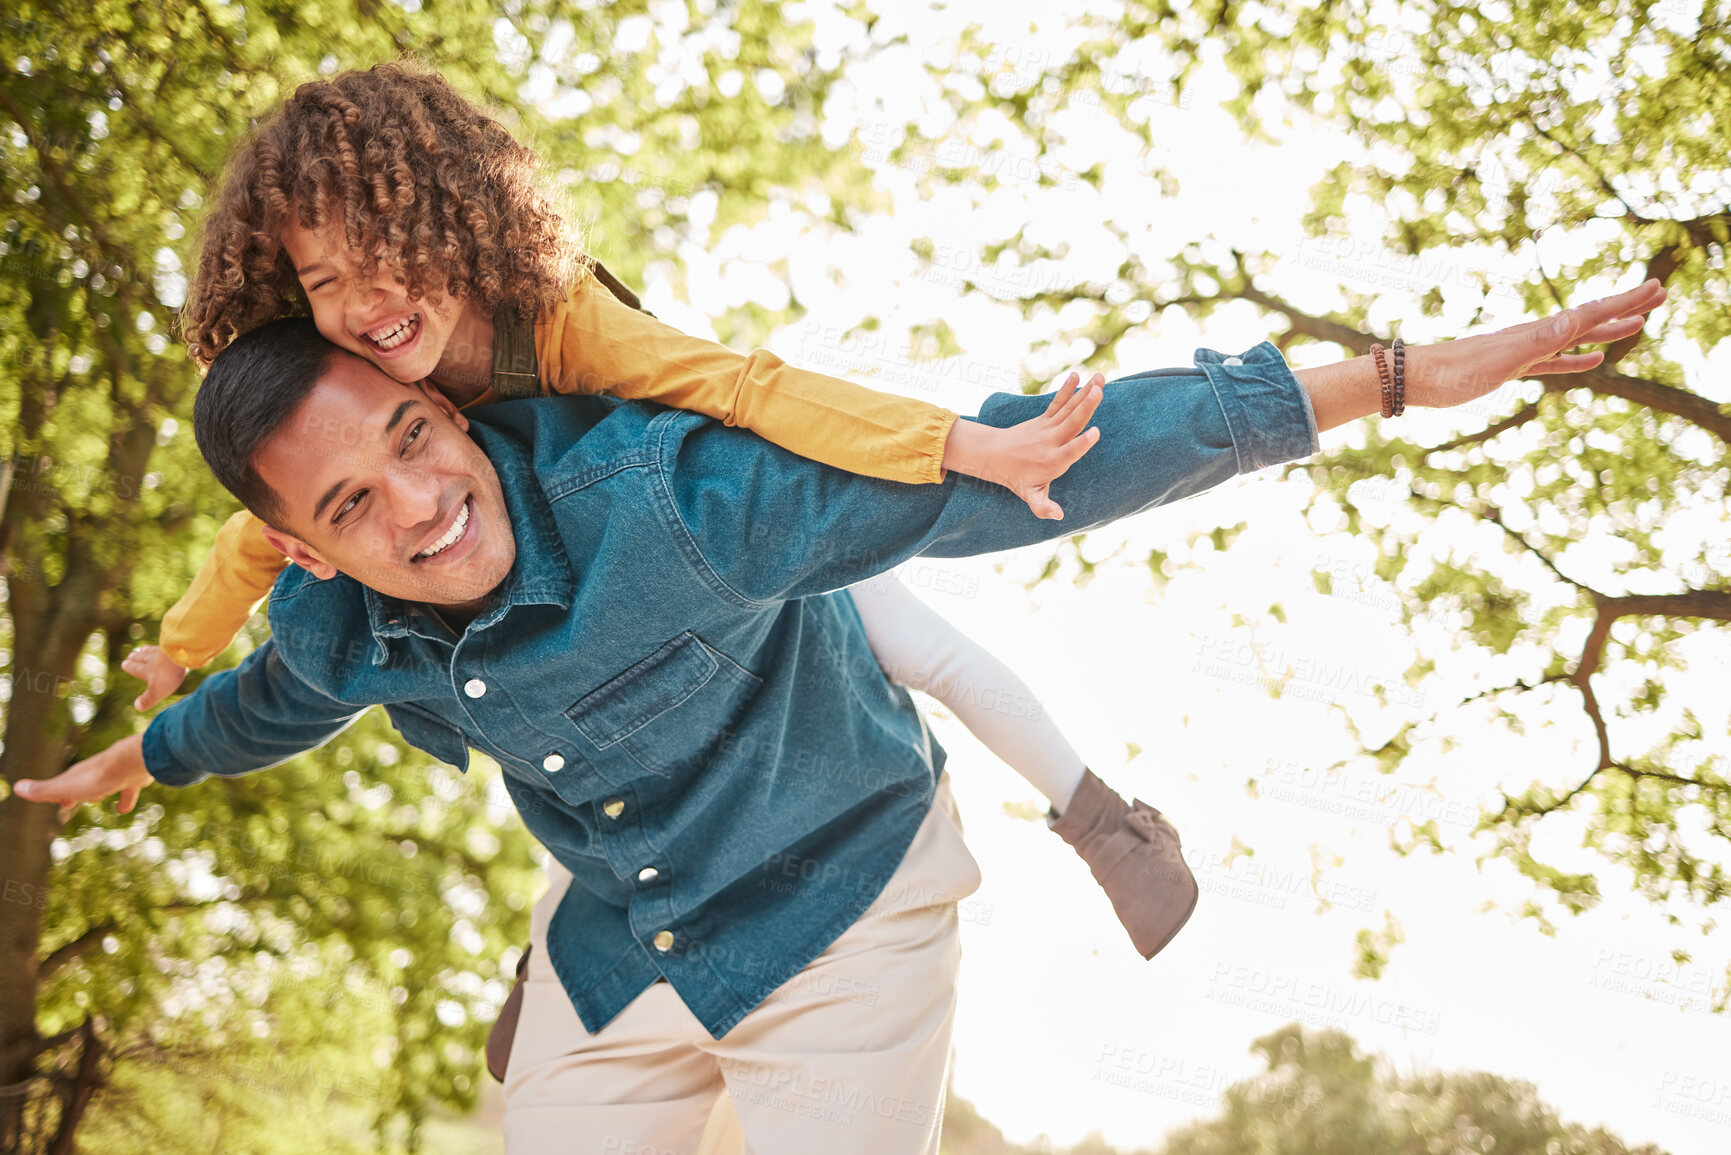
(613, 807)
(474, 687)
(553, 763)
(663, 940)
(1233, 361)
(647, 874)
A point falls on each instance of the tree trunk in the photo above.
(82, 1086)
(46, 643)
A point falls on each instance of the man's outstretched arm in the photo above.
(256, 715)
(768, 526)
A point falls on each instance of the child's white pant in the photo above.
(849, 1057)
(919, 648)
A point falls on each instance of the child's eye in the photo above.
(322, 284)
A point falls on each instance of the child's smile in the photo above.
(395, 336)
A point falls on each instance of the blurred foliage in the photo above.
(327, 941)
(1603, 495)
(1318, 1094)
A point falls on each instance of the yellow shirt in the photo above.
(594, 343)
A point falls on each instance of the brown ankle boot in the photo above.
(1135, 856)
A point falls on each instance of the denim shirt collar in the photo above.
(541, 573)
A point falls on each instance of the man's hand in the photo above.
(118, 768)
(1027, 458)
(1456, 372)
(161, 675)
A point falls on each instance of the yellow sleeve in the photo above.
(594, 343)
(240, 570)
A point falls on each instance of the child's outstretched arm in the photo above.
(594, 343)
(919, 648)
(239, 572)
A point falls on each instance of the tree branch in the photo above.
(66, 952)
(1604, 182)
(1304, 324)
(1562, 801)
(1714, 605)
(80, 946)
(1653, 395)
(1495, 517)
(1665, 261)
(1521, 686)
(1710, 604)
(1513, 421)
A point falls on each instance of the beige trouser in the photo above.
(848, 1057)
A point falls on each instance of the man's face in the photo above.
(380, 481)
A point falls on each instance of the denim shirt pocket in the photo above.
(669, 710)
(424, 732)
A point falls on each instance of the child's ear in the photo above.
(298, 552)
(443, 404)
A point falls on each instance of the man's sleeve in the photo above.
(765, 525)
(256, 715)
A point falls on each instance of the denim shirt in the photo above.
(685, 712)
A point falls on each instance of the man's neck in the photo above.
(456, 618)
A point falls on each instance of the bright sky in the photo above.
(1063, 1029)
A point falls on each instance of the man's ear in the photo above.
(443, 403)
(300, 553)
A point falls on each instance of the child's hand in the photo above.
(161, 675)
(1027, 458)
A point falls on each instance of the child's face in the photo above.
(371, 317)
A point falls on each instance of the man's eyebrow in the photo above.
(331, 493)
(397, 414)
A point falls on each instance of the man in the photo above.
(629, 609)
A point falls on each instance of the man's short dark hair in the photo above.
(252, 388)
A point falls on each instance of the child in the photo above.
(407, 223)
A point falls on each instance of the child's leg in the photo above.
(919, 648)
(1132, 851)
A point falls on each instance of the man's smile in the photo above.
(454, 541)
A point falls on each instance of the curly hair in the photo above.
(417, 176)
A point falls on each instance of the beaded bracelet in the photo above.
(1387, 383)
(1399, 377)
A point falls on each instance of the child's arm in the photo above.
(240, 571)
(919, 648)
(594, 343)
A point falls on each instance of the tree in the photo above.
(1320, 1094)
(1488, 138)
(1508, 114)
(328, 940)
